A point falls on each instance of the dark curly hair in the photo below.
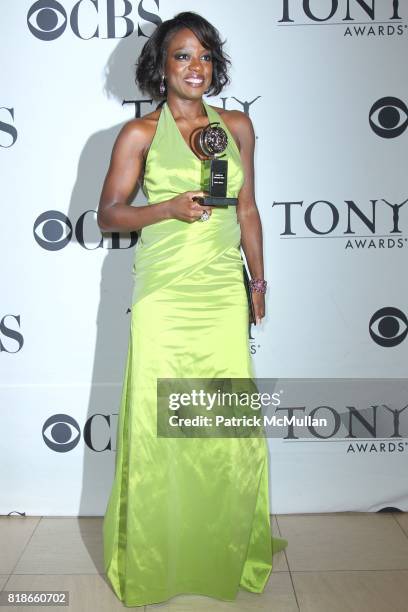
(150, 65)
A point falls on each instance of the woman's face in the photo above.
(188, 68)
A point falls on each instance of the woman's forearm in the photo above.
(122, 217)
(252, 241)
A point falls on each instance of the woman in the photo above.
(185, 515)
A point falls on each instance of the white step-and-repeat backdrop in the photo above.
(324, 84)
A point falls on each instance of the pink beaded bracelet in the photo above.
(258, 285)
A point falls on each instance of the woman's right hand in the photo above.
(187, 207)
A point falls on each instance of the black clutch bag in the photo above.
(249, 294)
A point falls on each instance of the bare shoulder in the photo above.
(239, 124)
(137, 134)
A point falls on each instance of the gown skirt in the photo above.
(186, 514)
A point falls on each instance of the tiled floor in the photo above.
(334, 562)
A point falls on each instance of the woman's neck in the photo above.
(190, 110)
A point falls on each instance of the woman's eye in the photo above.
(180, 56)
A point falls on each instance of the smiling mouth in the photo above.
(194, 81)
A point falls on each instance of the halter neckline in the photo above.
(168, 109)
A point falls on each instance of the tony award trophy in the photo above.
(212, 142)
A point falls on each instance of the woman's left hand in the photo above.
(259, 306)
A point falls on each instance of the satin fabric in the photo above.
(186, 515)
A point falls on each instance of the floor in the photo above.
(342, 562)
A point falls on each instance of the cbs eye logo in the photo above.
(61, 433)
(388, 326)
(52, 230)
(388, 117)
(47, 19)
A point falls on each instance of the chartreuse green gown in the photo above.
(186, 515)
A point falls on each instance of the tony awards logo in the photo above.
(212, 142)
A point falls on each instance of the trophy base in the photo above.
(213, 201)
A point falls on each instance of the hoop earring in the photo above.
(162, 88)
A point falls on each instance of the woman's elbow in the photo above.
(104, 219)
(100, 222)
